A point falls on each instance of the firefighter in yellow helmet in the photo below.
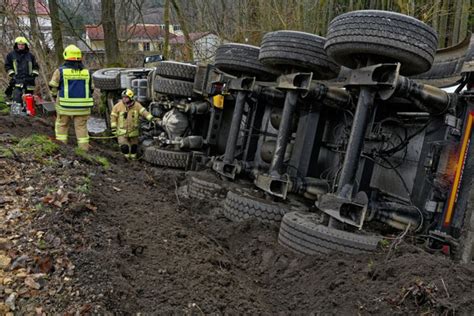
(72, 85)
(125, 121)
(22, 68)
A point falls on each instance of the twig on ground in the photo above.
(396, 242)
(176, 191)
(445, 288)
(197, 306)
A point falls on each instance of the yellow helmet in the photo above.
(72, 52)
(128, 93)
(21, 40)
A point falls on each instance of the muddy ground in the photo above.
(124, 240)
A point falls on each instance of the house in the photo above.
(204, 46)
(18, 18)
(138, 37)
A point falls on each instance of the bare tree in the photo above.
(184, 27)
(56, 29)
(166, 44)
(40, 46)
(112, 50)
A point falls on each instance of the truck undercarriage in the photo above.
(340, 141)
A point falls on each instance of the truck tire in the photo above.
(242, 60)
(298, 50)
(448, 63)
(166, 158)
(241, 206)
(302, 232)
(383, 37)
(203, 188)
(177, 88)
(107, 79)
(176, 70)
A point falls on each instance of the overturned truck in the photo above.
(340, 141)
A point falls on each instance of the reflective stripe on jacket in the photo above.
(75, 95)
(127, 119)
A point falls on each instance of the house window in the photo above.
(146, 47)
(176, 28)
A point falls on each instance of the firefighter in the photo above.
(124, 122)
(22, 68)
(71, 85)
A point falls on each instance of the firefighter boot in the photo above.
(133, 151)
(125, 149)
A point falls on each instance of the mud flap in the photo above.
(351, 212)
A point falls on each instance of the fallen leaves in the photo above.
(30, 282)
(14, 214)
(44, 264)
(10, 301)
(5, 262)
(5, 243)
(33, 252)
(5, 200)
(62, 198)
(58, 198)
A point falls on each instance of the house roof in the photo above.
(192, 36)
(131, 32)
(20, 7)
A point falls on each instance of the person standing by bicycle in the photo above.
(22, 68)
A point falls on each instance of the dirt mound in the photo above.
(22, 126)
(124, 240)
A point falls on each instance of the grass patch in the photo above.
(6, 152)
(4, 108)
(384, 243)
(93, 158)
(85, 187)
(36, 145)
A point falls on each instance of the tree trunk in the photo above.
(184, 27)
(112, 50)
(35, 34)
(435, 15)
(466, 9)
(166, 45)
(37, 38)
(443, 24)
(457, 21)
(56, 29)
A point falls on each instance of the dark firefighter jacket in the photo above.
(22, 65)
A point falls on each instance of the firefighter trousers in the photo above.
(80, 126)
